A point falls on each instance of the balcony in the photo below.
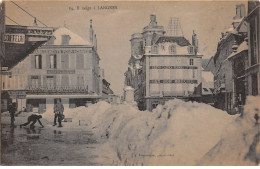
(57, 90)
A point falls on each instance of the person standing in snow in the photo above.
(12, 109)
(58, 111)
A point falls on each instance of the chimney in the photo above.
(91, 32)
(153, 20)
(240, 11)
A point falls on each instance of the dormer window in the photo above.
(172, 49)
(163, 48)
(191, 49)
(65, 39)
(155, 49)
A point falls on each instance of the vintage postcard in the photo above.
(130, 83)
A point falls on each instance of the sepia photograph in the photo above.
(130, 83)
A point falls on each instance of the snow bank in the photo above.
(84, 116)
(178, 133)
(239, 143)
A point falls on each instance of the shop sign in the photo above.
(14, 38)
(17, 94)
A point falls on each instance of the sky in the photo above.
(114, 27)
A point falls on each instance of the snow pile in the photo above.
(84, 116)
(239, 143)
(178, 133)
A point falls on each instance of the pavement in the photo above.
(48, 146)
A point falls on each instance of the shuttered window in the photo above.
(37, 62)
(80, 61)
(65, 80)
(80, 80)
(64, 61)
(52, 61)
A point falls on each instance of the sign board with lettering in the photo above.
(17, 94)
(14, 38)
(7, 73)
(60, 71)
(62, 51)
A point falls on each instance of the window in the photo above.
(155, 49)
(38, 61)
(191, 49)
(65, 80)
(80, 61)
(64, 61)
(254, 85)
(193, 73)
(53, 62)
(253, 40)
(35, 80)
(50, 81)
(80, 80)
(163, 48)
(191, 62)
(172, 49)
(65, 39)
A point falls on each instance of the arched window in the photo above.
(172, 49)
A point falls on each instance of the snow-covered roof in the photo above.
(74, 38)
(242, 47)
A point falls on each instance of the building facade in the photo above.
(163, 67)
(252, 65)
(66, 67)
(222, 66)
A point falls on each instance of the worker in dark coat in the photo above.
(33, 118)
(58, 111)
(12, 109)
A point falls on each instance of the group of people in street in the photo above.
(58, 115)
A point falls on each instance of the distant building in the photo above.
(65, 67)
(252, 65)
(163, 67)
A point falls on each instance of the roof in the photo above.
(180, 40)
(242, 47)
(74, 38)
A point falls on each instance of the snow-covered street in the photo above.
(177, 133)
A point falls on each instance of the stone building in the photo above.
(66, 67)
(252, 65)
(163, 67)
(226, 89)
